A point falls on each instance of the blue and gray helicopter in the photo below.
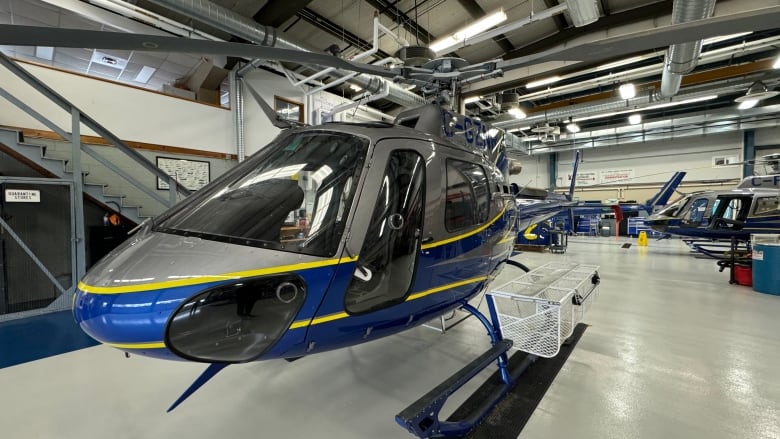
(753, 207)
(331, 235)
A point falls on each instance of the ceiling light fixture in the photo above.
(621, 63)
(517, 113)
(749, 103)
(573, 128)
(758, 91)
(635, 119)
(627, 91)
(471, 99)
(543, 82)
(43, 52)
(776, 65)
(714, 40)
(355, 87)
(145, 74)
(651, 107)
(447, 43)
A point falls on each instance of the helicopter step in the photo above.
(421, 418)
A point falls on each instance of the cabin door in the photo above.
(391, 211)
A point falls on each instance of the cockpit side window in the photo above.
(767, 206)
(388, 257)
(468, 195)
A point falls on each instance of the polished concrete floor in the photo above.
(673, 351)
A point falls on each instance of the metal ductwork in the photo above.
(246, 28)
(681, 59)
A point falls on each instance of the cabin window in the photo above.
(468, 195)
(385, 268)
(697, 211)
(767, 206)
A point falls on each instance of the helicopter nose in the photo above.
(131, 321)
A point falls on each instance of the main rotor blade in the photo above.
(14, 35)
(750, 21)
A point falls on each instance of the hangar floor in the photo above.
(674, 351)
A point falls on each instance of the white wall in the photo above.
(535, 173)
(130, 113)
(655, 162)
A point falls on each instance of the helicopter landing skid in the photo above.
(421, 418)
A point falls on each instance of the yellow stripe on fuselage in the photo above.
(212, 278)
(147, 345)
(415, 296)
(465, 235)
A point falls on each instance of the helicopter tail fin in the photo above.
(665, 193)
(575, 165)
(207, 374)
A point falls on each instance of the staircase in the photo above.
(52, 158)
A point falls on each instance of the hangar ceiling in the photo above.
(585, 93)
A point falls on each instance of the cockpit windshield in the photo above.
(294, 195)
(672, 209)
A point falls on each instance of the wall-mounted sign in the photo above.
(616, 176)
(192, 174)
(22, 196)
(585, 178)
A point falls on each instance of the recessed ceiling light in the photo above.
(44, 52)
(145, 74)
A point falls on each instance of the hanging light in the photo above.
(627, 91)
(757, 92)
(572, 127)
(635, 119)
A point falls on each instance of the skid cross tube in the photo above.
(421, 418)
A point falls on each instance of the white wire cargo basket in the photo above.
(539, 310)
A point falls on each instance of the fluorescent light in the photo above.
(573, 128)
(145, 74)
(43, 52)
(355, 87)
(627, 91)
(723, 38)
(467, 32)
(686, 101)
(635, 119)
(621, 63)
(776, 65)
(517, 113)
(750, 103)
(541, 82)
(471, 99)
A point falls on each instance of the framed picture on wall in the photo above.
(192, 174)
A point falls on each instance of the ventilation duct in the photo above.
(582, 12)
(243, 27)
(681, 58)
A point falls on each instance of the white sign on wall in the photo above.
(22, 196)
(585, 178)
(616, 175)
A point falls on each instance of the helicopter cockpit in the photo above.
(295, 198)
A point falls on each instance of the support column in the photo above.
(553, 170)
(78, 197)
(748, 152)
